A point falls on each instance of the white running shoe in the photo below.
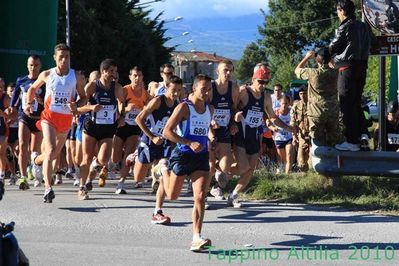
(217, 192)
(36, 169)
(120, 188)
(346, 146)
(37, 183)
(76, 182)
(233, 201)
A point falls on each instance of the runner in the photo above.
(126, 137)
(12, 153)
(27, 130)
(83, 115)
(4, 132)
(62, 85)
(253, 104)
(106, 102)
(191, 157)
(152, 146)
(223, 97)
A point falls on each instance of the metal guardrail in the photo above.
(329, 161)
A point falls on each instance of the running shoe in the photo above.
(13, 180)
(69, 175)
(76, 182)
(58, 179)
(221, 178)
(138, 185)
(82, 194)
(346, 146)
(159, 218)
(36, 169)
(89, 186)
(200, 244)
(23, 184)
(30, 174)
(102, 176)
(217, 192)
(233, 202)
(120, 188)
(48, 196)
(37, 183)
(207, 206)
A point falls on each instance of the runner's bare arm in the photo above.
(153, 105)
(80, 85)
(234, 109)
(30, 95)
(180, 113)
(120, 97)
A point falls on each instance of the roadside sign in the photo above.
(387, 45)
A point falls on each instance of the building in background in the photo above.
(189, 64)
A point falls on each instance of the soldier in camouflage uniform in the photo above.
(323, 108)
(299, 120)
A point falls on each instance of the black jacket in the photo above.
(351, 44)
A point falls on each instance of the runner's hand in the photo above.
(196, 147)
(157, 140)
(214, 124)
(97, 108)
(28, 109)
(73, 107)
(238, 117)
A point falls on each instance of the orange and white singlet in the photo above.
(59, 91)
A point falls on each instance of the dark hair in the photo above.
(174, 80)
(135, 68)
(199, 78)
(166, 66)
(347, 6)
(11, 84)
(106, 64)
(278, 85)
(61, 47)
(34, 57)
(323, 55)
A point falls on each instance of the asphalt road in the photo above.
(115, 230)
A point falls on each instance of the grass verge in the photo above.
(353, 192)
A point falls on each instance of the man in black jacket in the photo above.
(350, 50)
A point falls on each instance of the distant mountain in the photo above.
(227, 37)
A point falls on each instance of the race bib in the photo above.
(393, 138)
(158, 128)
(130, 117)
(222, 117)
(253, 118)
(106, 116)
(25, 101)
(59, 102)
(199, 127)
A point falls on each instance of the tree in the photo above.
(114, 29)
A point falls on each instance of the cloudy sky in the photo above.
(223, 27)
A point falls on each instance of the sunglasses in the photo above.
(261, 81)
(168, 73)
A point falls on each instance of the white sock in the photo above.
(196, 237)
